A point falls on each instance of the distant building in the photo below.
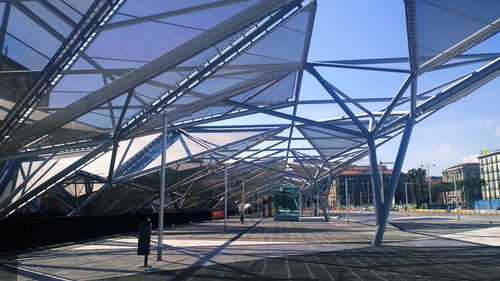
(436, 180)
(449, 196)
(489, 162)
(462, 171)
(359, 186)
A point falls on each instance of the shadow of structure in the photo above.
(370, 263)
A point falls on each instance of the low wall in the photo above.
(19, 233)
(492, 204)
(454, 212)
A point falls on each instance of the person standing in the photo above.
(144, 239)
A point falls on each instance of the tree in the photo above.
(472, 189)
(441, 187)
(417, 177)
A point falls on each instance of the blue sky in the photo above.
(376, 29)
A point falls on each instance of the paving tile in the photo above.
(416, 248)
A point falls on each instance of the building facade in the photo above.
(359, 186)
(449, 197)
(489, 167)
(462, 172)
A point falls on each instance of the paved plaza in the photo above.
(416, 247)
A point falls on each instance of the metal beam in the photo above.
(175, 13)
(33, 193)
(57, 12)
(377, 195)
(460, 89)
(296, 118)
(78, 146)
(138, 76)
(5, 21)
(396, 171)
(333, 92)
(350, 66)
(258, 138)
(22, 186)
(393, 104)
(469, 42)
(83, 33)
(237, 47)
(298, 82)
(411, 31)
(325, 213)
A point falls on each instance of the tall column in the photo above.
(406, 195)
(300, 204)
(429, 185)
(252, 204)
(162, 188)
(316, 205)
(381, 183)
(456, 195)
(225, 198)
(258, 204)
(383, 209)
(243, 202)
(347, 199)
(377, 202)
(328, 189)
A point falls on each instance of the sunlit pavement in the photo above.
(415, 247)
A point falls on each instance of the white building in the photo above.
(489, 172)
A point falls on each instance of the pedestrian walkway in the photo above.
(417, 248)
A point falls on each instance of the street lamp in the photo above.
(382, 181)
(429, 182)
(456, 193)
(361, 201)
(406, 195)
(347, 197)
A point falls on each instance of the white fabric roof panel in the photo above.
(279, 54)
(35, 175)
(126, 150)
(140, 33)
(443, 23)
(215, 139)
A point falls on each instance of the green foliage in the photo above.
(417, 177)
(442, 187)
(472, 184)
(472, 189)
(439, 188)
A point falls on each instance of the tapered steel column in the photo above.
(253, 202)
(162, 188)
(377, 203)
(383, 213)
(225, 198)
(300, 204)
(242, 202)
(347, 199)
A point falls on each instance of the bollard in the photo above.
(144, 239)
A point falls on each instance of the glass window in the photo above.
(286, 203)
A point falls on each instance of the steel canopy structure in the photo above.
(81, 82)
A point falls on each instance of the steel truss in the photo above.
(289, 152)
